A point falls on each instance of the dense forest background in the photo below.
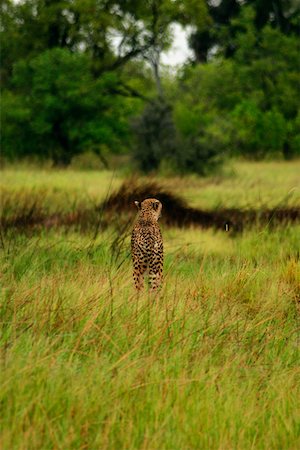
(85, 76)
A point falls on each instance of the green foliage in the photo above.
(61, 66)
(15, 123)
(258, 133)
(247, 105)
(155, 135)
(251, 101)
(201, 142)
(221, 28)
(67, 110)
(268, 69)
(75, 72)
(268, 66)
(294, 132)
(183, 140)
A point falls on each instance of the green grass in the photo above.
(55, 190)
(211, 363)
(259, 184)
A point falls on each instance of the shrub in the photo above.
(256, 133)
(155, 135)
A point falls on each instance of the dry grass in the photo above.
(212, 362)
(27, 210)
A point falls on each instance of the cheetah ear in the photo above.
(155, 205)
(138, 205)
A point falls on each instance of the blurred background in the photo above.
(156, 85)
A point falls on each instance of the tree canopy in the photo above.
(86, 75)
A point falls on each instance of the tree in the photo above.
(156, 18)
(221, 30)
(155, 136)
(64, 66)
(66, 109)
(267, 64)
(251, 100)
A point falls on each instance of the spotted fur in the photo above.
(147, 244)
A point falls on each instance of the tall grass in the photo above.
(211, 362)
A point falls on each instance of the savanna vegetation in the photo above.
(211, 362)
(86, 76)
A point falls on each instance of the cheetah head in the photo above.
(151, 207)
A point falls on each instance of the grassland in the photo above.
(211, 363)
(263, 184)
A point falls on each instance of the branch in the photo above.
(128, 91)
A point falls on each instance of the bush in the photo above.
(293, 149)
(182, 141)
(202, 140)
(256, 133)
(155, 135)
(88, 161)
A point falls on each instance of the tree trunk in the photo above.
(62, 154)
(157, 78)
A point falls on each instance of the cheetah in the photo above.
(147, 244)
